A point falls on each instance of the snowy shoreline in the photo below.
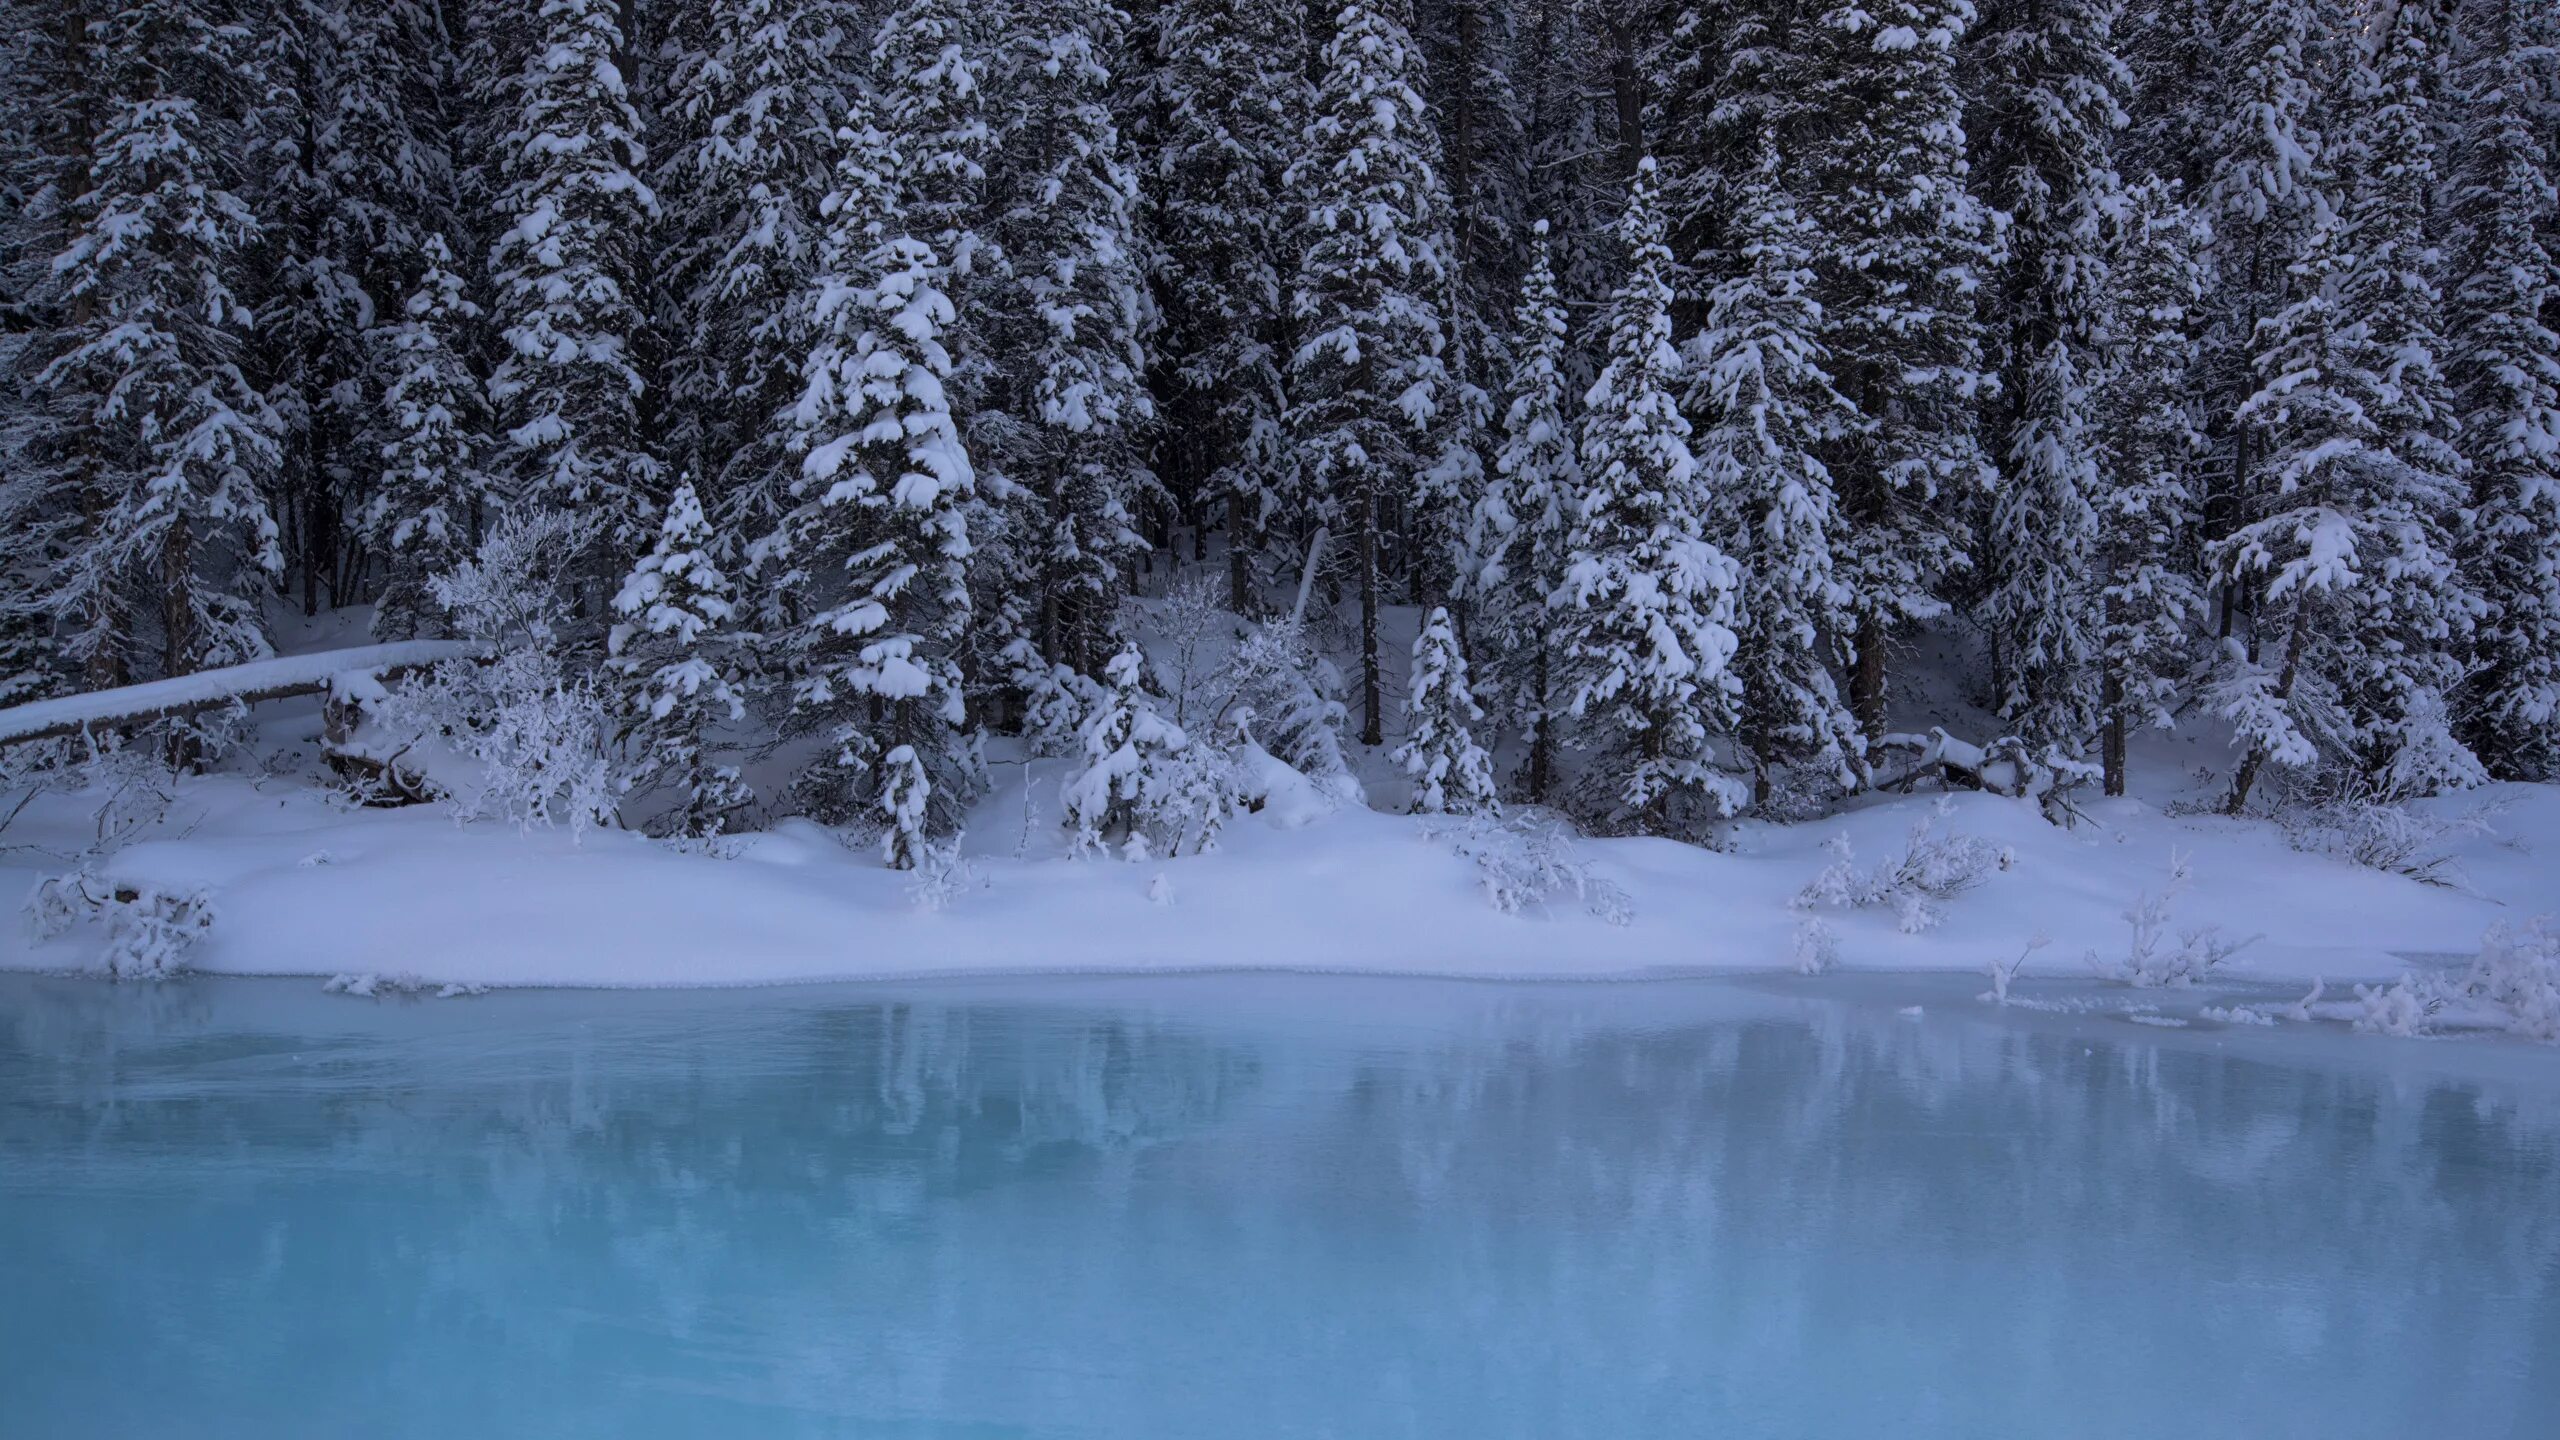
(296, 886)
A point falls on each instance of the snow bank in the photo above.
(305, 887)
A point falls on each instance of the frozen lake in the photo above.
(1211, 1207)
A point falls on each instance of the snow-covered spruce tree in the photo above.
(670, 649)
(752, 111)
(2148, 492)
(1908, 248)
(425, 513)
(882, 524)
(2506, 375)
(173, 443)
(2053, 78)
(2418, 608)
(2261, 198)
(1644, 611)
(1070, 318)
(1520, 527)
(1450, 772)
(2329, 536)
(1367, 381)
(1232, 101)
(1767, 409)
(574, 207)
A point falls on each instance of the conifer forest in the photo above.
(875, 380)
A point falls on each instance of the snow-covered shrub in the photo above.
(2386, 837)
(2513, 985)
(1814, 948)
(1527, 859)
(1450, 771)
(1145, 786)
(538, 735)
(1275, 689)
(1931, 870)
(941, 876)
(2005, 973)
(541, 742)
(2155, 955)
(149, 931)
(512, 592)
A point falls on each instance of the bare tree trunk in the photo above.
(1542, 739)
(1627, 89)
(2111, 737)
(1372, 686)
(1866, 681)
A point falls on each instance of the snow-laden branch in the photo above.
(258, 680)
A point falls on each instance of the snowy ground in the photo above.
(301, 883)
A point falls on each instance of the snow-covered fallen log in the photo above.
(2003, 767)
(271, 679)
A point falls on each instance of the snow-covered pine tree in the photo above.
(1519, 530)
(1368, 381)
(1644, 611)
(1071, 318)
(425, 512)
(752, 110)
(884, 492)
(1908, 249)
(2506, 376)
(2053, 78)
(1450, 772)
(1231, 102)
(2148, 492)
(2264, 192)
(2418, 607)
(172, 444)
(671, 650)
(1767, 409)
(574, 209)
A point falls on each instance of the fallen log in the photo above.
(270, 679)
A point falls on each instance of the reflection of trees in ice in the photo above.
(1476, 1211)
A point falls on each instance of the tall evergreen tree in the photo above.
(1645, 609)
(1909, 251)
(2263, 195)
(2506, 378)
(1521, 527)
(1768, 409)
(1368, 380)
(752, 112)
(568, 385)
(425, 512)
(2148, 498)
(884, 494)
(1233, 101)
(172, 444)
(1073, 316)
(2054, 78)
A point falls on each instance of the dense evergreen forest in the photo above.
(841, 371)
